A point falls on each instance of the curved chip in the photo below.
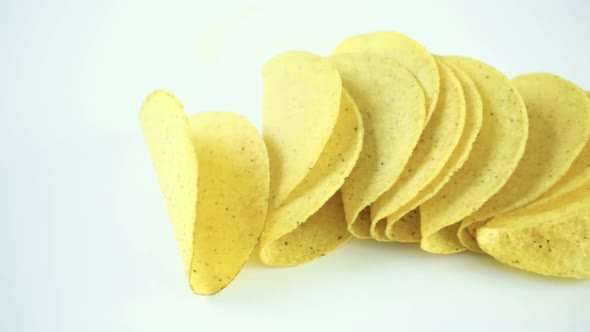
(300, 108)
(318, 234)
(311, 223)
(167, 137)
(577, 176)
(408, 52)
(230, 214)
(554, 241)
(473, 120)
(218, 231)
(494, 155)
(408, 229)
(391, 104)
(436, 145)
(559, 127)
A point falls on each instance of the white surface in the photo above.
(85, 243)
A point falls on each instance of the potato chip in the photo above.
(436, 145)
(301, 103)
(167, 137)
(494, 155)
(408, 52)
(553, 241)
(559, 127)
(218, 231)
(380, 139)
(577, 176)
(406, 229)
(305, 227)
(391, 103)
(322, 232)
(232, 199)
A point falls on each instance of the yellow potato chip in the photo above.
(322, 232)
(406, 227)
(232, 200)
(391, 103)
(577, 176)
(559, 127)
(408, 52)
(218, 231)
(436, 145)
(494, 155)
(167, 137)
(310, 223)
(554, 241)
(403, 229)
(301, 102)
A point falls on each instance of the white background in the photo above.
(85, 242)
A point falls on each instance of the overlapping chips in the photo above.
(437, 143)
(559, 127)
(392, 107)
(407, 227)
(379, 140)
(578, 175)
(308, 223)
(494, 155)
(404, 50)
(302, 92)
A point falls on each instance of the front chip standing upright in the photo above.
(167, 136)
(314, 132)
(213, 172)
(233, 197)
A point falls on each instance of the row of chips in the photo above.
(382, 140)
